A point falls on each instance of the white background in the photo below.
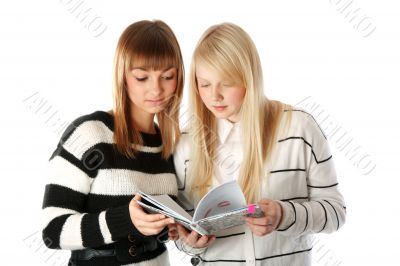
(308, 49)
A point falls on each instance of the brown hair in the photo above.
(153, 45)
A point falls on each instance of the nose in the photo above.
(216, 94)
(156, 88)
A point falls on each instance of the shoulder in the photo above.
(86, 132)
(300, 127)
(89, 124)
(297, 122)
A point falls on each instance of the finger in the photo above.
(172, 225)
(139, 214)
(173, 230)
(191, 239)
(267, 207)
(182, 231)
(137, 197)
(134, 203)
(142, 215)
(173, 234)
(260, 230)
(202, 241)
(205, 241)
(157, 224)
(211, 240)
(260, 221)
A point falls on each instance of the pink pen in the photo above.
(251, 208)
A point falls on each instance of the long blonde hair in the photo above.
(153, 45)
(229, 50)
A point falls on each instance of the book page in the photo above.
(227, 220)
(221, 199)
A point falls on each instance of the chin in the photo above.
(221, 116)
(156, 110)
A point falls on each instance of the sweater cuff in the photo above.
(288, 216)
(191, 251)
(119, 222)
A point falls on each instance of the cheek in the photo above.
(203, 95)
(171, 87)
(130, 90)
(134, 91)
(237, 96)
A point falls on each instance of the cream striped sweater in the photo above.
(301, 175)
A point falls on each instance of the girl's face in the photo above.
(150, 91)
(223, 98)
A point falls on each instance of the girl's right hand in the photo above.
(147, 224)
(194, 239)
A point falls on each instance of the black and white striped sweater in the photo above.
(90, 186)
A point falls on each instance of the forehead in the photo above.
(206, 72)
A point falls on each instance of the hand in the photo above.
(194, 239)
(270, 222)
(173, 232)
(147, 224)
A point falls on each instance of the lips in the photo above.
(156, 102)
(219, 107)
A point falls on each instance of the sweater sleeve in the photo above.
(66, 225)
(324, 211)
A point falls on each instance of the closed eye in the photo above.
(140, 79)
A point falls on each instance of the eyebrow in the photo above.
(147, 69)
(201, 78)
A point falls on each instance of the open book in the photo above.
(222, 207)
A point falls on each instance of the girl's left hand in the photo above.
(270, 222)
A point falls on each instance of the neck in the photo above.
(234, 118)
(143, 121)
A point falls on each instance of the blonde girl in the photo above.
(277, 153)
